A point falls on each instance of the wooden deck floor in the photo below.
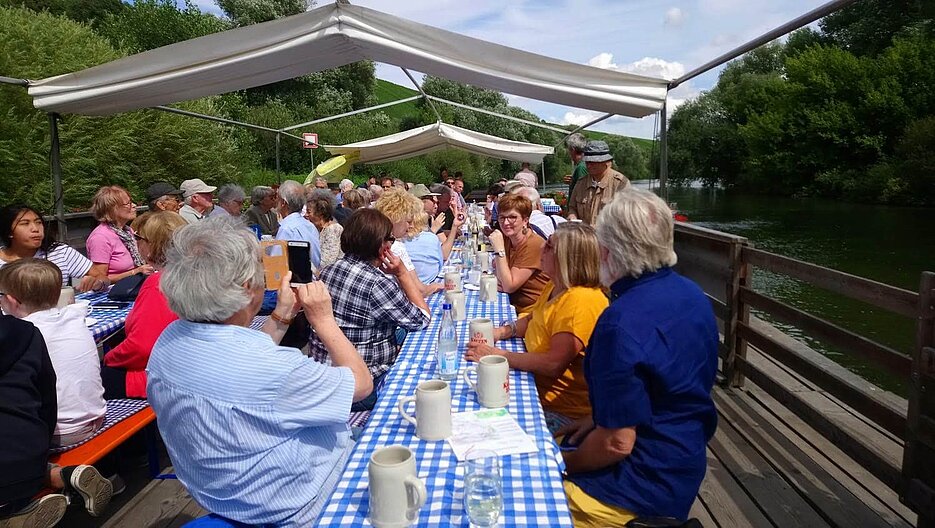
(766, 468)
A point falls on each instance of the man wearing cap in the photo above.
(596, 190)
(199, 198)
(162, 196)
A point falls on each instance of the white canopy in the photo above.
(328, 37)
(438, 136)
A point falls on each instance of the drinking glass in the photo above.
(483, 490)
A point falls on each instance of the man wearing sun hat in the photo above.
(199, 197)
(598, 188)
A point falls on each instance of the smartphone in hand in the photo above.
(300, 262)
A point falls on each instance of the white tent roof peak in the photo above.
(328, 37)
(438, 136)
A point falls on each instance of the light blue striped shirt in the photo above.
(425, 251)
(297, 227)
(256, 431)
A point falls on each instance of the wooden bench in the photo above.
(102, 444)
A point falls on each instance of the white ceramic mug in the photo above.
(433, 410)
(453, 281)
(481, 331)
(66, 297)
(458, 303)
(396, 493)
(493, 381)
(488, 288)
(85, 305)
(483, 258)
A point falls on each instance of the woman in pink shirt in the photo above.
(112, 246)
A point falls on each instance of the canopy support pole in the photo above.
(788, 27)
(224, 121)
(495, 114)
(582, 127)
(353, 112)
(421, 91)
(663, 153)
(278, 175)
(55, 160)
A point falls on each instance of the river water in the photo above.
(887, 244)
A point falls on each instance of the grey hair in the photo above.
(230, 193)
(636, 229)
(576, 142)
(368, 197)
(346, 185)
(188, 200)
(376, 192)
(530, 194)
(321, 180)
(322, 202)
(440, 188)
(293, 193)
(212, 269)
(260, 192)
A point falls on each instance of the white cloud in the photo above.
(674, 17)
(648, 66)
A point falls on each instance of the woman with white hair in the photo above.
(237, 411)
(650, 366)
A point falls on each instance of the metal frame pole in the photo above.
(663, 153)
(421, 91)
(55, 161)
(278, 174)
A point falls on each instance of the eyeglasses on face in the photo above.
(510, 218)
(390, 239)
(138, 237)
(387, 186)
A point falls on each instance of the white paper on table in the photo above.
(492, 429)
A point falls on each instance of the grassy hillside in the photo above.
(386, 92)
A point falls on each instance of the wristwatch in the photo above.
(500, 253)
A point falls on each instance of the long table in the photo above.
(532, 484)
(109, 320)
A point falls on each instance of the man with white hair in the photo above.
(597, 189)
(199, 197)
(294, 226)
(527, 176)
(230, 201)
(650, 366)
(542, 224)
(321, 183)
(257, 431)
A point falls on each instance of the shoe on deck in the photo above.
(44, 512)
(93, 488)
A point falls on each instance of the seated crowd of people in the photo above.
(622, 348)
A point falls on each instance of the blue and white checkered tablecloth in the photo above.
(108, 320)
(533, 494)
(551, 209)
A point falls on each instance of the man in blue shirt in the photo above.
(650, 366)
(294, 226)
(257, 432)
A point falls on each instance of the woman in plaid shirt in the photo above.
(368, 303)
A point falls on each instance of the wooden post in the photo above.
(917, 488)
(738, 311)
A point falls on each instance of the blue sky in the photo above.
(663, 38)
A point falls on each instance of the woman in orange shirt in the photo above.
(558, 326)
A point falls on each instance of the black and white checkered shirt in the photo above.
(368, 306)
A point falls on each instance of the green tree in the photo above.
(131, 149)
(149, 24)
(92, 12)
(247, 12)
(869, 26)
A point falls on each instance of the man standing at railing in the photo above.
(575, 144)
(597, 189)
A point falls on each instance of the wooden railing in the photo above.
(723, 265)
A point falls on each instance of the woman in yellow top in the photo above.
(559, 324)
